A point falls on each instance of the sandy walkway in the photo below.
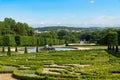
(81, 48)
(6, 76)
(47, 70)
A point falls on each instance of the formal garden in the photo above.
(62, 65)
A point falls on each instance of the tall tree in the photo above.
(10, 24)
(112, 39)
(8, 40)
(20, 29)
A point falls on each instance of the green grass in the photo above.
(102, 65)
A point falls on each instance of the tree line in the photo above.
(75, 37)
(14, 33)
(111, 39)
(15, 41)
(10, 26)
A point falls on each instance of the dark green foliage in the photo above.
(10, 23)
(2, 28)
(17, 40)
(66, 43)
(8, 40)
(118, 31)
(112, 38)
(74, 35)
(103, 41)
(62, 33)
(9, 51)
(57, 28)
(3, 49)
(16, 50)
(9, 26)
(25, 50)
(116, 48)
(37, 44)
(1, 41)
(37, 49)
(20, 29)
(113, 48)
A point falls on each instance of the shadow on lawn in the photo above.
(111, 52)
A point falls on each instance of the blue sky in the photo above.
(81, 13)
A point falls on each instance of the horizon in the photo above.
(74, 13)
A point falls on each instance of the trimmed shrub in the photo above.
(8, 40)
(25, 51)
(9, 51)
(28, 40)
(20, 76)
(3, 49)
(39, 70)
(16, 50)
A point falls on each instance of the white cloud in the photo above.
(42, 23)
(99, 21)
(92, 1)
(103, 21)
(58, 23)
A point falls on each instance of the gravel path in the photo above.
(82, 48)
(6, 76)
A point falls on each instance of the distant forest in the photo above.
(75, 34)
(58, 28)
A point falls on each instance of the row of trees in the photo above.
(11, 40)
(14, 33)
(10, 26)
(74, 37)
(111, 40)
